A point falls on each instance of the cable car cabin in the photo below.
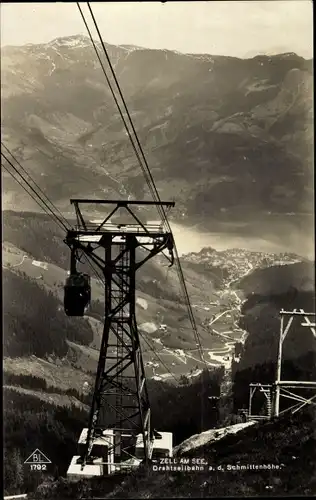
(77, 294)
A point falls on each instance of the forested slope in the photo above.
(34, 320)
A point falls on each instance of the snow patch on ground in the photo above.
(70, 41)
(142, 303)
(158, 341)
(209, 436)
(130, 48)
(148, 327)
(53, 68)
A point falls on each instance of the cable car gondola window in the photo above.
(77, 294)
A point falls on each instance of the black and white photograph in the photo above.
(158, 249)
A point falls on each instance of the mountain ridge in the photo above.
(216, 119)
(76, 39)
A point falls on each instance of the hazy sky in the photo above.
(236, 28)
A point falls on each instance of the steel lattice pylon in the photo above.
(281, 388)
(120, 400)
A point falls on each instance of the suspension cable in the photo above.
(154, 189)
(23, 187)
(36, 185)
(46, 208)
(126, 109)
(147, 175)
(36, 194)
(116, 101)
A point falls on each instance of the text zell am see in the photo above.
(195, 464)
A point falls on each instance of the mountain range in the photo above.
(229, 139)
(210, 127)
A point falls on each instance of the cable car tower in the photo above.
(289, 389)
(120, 411)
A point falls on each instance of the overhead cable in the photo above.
(114, 97)
(146, 170)
(47, 209)
(34, 182)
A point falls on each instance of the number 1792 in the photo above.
(38, 466)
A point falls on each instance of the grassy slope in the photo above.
(54, 399)
(60, 375)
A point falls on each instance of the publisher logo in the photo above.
(37, 460)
